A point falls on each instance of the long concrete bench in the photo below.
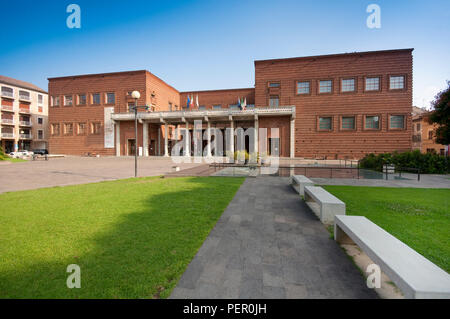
(416, 276)
(299, 182)
(323, 204)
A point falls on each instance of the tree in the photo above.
(440, 115)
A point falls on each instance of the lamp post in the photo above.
(136, 95)
(21, 132)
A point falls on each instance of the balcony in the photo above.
(24, 110)
(7, 135)
(8, 108)
(9, 95)
(7, 121)
(25, 123)
(25, 136)
(24, 97)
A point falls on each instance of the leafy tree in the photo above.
(441, 115)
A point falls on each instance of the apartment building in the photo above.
(329, 106)
(424, 137)
(24, 115)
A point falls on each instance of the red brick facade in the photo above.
(339, 123)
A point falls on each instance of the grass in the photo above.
(14, 160)
(418, 217)
(131, 238)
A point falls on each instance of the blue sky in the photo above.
(211, 44)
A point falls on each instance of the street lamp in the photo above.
(136, 95)
(21, 132)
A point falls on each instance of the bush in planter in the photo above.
(241, 155)
(427, 163)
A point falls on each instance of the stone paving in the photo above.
(268, 244)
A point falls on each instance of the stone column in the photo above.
(159, 141)
(232, 138)
(117, 125)
(292, 138)
(187, 141)
(208, 135)
(145, 138)
(256, 134)
(166, 140)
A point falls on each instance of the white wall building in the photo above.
(24, 115)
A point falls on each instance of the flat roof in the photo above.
(335, 55)
(216, 90)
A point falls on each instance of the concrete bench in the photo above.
(323, 204)
(416, 276)
(299, 182)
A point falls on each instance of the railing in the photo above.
(7, 121)
(24, 97)
(7, 94)
(23, 110)
(7, 135)
(25, 136)
(7, 108)
(25, 123)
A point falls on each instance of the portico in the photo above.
(159, 131)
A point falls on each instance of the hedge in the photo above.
(429, 163)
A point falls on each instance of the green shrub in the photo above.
(429, 163)
(2, 154)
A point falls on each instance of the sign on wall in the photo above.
(109, 127)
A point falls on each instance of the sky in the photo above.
(211, 44)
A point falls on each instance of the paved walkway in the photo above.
(268, 244)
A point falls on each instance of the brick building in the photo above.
(424, 137)
(330, 106)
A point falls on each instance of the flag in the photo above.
(192, 100)
(244, 104)
(239, 103)
(196, 102)
(188, 102)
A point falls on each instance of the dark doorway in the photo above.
(131, 147)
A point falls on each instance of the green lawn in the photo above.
(132, 238)
(419, 217)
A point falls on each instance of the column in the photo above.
(256, 134)
(292, 138)
(117, 125)
(166, 140)
(232, 139)
(208, 135)
(187, 141)
(145, 138)
(159, 141)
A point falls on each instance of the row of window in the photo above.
(25, 95)
(82, 99)
(81, 128)
(396, 82)
(370, 122)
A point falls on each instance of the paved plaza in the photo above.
(268, 244)
(79, 170)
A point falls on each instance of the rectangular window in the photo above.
(325, 86)
(217, 107)
(40, 120)
(55, 129)
(24, 95)
(40, 98)
(418, 127)
(68, 100)
(372, 84)
(303, 87)
(130, 106)
(372, 122)
(95, 128)
(274, 101)
(40, 109)
(40, 134)
(55, 100)
(430, 135)
(396, 82)
(348, 85)
(170, 106)
(397, 121)
(81, 99)
(325, 123)
(6, 91)
(68, 128)
(274, 84)
(95, 98)
(110, 98)
(348, 122)
(81, 129)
